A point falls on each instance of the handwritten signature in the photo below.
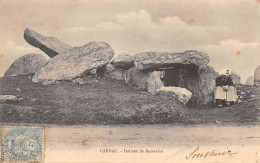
(212, 153)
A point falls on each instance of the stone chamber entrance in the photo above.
(185, 76)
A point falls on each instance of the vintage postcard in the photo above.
(129, 81)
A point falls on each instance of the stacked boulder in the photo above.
(27, 64)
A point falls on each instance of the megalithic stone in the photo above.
(49, 45)
(27, 64)
(75, 62)
(257, 76)
(156, 60)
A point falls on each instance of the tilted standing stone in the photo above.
(49, 45)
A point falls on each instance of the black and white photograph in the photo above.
(129, 81)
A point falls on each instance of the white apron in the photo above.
(229, 95)
(232, 94)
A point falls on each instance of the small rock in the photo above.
(79, 80)
(87, 80)
(48, 82)
(20, 99)
(33, 99)
(247, 92)
(10, 98)
(18, 89)
(47, 111)
(218, 122)
(253, 96)
(93, 71)
(94, 81)
(238, 101)
(242, 93)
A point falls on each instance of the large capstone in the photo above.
(26, 64)
(157, 60)
(75, 62)
(49, 45)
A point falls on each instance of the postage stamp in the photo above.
(22, 144)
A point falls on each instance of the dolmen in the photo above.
(184, 75)
(151, 71)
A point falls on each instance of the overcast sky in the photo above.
(228, 31)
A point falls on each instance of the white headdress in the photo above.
(224, 71)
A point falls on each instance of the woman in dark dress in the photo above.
(225, 92)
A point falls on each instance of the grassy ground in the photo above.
(246, 111)
(113, 102)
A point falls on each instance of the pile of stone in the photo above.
(186, 74)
